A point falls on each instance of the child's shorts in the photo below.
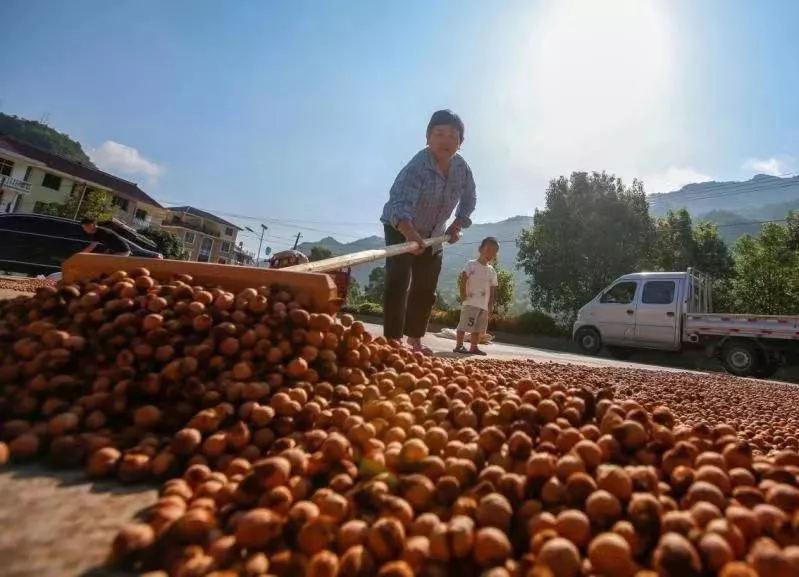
(473, 320)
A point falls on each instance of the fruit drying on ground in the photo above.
(24, 284)
(290, 442)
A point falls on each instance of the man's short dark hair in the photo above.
(490, 240)
(446, 118)
(85, 221)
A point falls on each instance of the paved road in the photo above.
(443, 347)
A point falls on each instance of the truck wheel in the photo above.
(742, 359)
(588, 341)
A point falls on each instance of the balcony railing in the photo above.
(14, 184)
(175, 221)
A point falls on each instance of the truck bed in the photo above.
(724, 324)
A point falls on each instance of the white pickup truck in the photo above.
(671, 311)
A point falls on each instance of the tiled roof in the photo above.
(78, 170)
(202, 214)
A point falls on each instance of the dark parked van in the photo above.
(37, 244)
(129, 234)
(140, 246)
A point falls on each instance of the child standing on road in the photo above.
(477, 284)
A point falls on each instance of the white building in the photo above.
(31, 177)
(207, 237)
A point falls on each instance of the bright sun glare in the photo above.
(593, 72)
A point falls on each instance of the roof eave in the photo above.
(17, 156)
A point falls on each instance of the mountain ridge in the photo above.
(45, 137)
(704, 197)
(737, 208)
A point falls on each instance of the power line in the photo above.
(268, 236)
(729, 191)
(282, 222)
(734, 189)
(657, 231)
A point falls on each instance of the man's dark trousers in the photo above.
(407, 311)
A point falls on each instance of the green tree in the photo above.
(592, 230)
(42, 136)
(792, 224)
(679, 244)
(765, 277)
(377, 285)
(354, 293)
(712, 253)
(93, 203)
(169, 244)
(503, 297)
(50, 208)
(318, 252)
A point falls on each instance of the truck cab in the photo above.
(672, 311)
(642, 310)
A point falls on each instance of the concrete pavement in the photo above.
(443, 347)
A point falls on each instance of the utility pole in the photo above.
(260, 242)
(80, 201)
(297, 240)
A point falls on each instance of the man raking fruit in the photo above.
(435, 183)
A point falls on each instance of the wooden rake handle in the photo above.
(364, 256)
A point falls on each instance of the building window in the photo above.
(206, 246)
(140, 214)
(6, 166)
(225, 246)
(229, 231)
(28, 172)
(51, 181)
(121, 203)
(188, 237)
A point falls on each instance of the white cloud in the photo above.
(121, 158)
(673, 178)
(773, 166)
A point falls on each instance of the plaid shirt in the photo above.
(427, 198)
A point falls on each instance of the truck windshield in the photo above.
(621, 293)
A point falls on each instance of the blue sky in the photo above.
(299, 114)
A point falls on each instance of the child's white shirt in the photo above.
(479, 280)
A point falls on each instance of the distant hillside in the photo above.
(733, 225)
(455, 256)
(339, 248)
(736, 197)
(735, 214)
(42, 136)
